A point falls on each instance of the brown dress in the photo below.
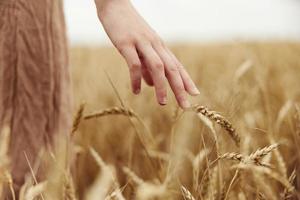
(34, 78)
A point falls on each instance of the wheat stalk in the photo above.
(196, 164)
(204, 184)
(269, 172)
(111, 111)
(32, 173)
(287, 195)
(260, 153)
(4, 160)
(105, 180)
(281, 163)
(159, 155)
(133, 176)
(115, 195)
(77, 119)
(213, 183)
(36, 190)
(219, 119)
(233, 156)
(243, 69)
(264, 189)
(68, 188)
(297, 117)
(254, 157)
(283, 113)
(9, 180)
(187, 194)
(235, 176)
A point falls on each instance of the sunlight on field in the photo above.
(254, 86)
(240, 141)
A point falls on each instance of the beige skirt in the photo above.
(34, 78)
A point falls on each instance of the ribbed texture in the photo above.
(34, 77)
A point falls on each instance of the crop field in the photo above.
(240, 139)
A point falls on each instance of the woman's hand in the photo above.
(145, 53)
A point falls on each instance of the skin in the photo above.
(146, 54)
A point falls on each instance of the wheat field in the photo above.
(240, 139)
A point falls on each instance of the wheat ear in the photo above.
(187, 194)
(260, 153)
(287, 195)
(111, 111)
(219, 119)
(254, 157)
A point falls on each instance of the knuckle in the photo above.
(150, 70)
(135, 78)
(132, 73)
(179, 93)
(161, 91)
(135, 66)
(173, 69)
(180, 97)
(177, 85)
(159, 86)
(180, 67)
(156, 41)
(123, 45)
(179, 89)
(158, 65)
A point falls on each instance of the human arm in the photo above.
(145, 53)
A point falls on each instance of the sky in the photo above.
(195, 20)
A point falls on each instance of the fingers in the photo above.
(146, 75)
(156, 69)
(134, 64)
(154, 62)
(189, 84)
(173, 76)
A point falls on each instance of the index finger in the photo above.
(156, 68)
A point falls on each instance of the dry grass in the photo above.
(128, 147)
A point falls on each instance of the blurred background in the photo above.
(196, 20)
(243, 55)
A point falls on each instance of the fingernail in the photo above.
(195, 91)
(137, 91)
(163, 101)
(185, 104)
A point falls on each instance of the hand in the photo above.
(145, 53)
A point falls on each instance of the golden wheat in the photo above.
(251, 82)
(111, 111)
(187, 194)
(260, 153)
(77, 119)
(219, 119)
